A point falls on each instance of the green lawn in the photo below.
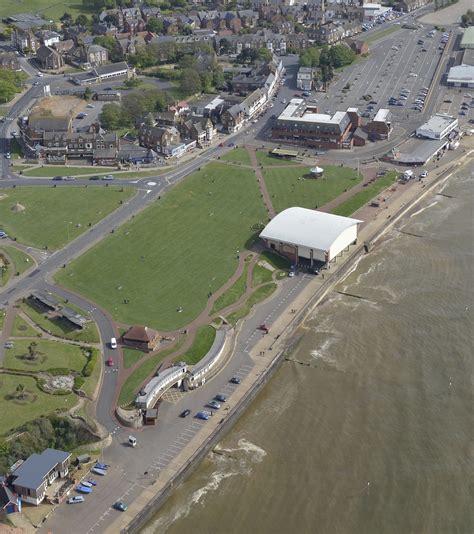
(14, 413)
(44, 8)
(54, 216)
(22, 329)
(141, 373)
(51, 355)
(5, 272)
(130, 356)
(232, 294)
(21, 260)
(266, 160)
(257, 296)
(287, 188)
(59, 327)
(275, 260)
(361, 198)
(15, 149)
(261, 275)
(60, 170)
(203, 341)
(237, 155)
(177, 250)
(2, 319)
(141, 174)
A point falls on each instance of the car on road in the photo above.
(94, 177)
(35, 83)
(283, 101)
(264, 328)
(120, 506)
(40, 74)
(202, 415)
(68, 178)
(185, 413)
(8, 155)
(447, 101)
(424, 174)
(231, 144)
(113, 343)
(110, 362)
(306, 93)
(107, 177)
(108, 89)
(214, 404)
(235, 380)
(76, 499)
(90, 106)
(463, 113)
(58, 178)
(221, 398)
(3, 235)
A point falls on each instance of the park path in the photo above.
(261, 182)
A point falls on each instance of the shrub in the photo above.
(78, 382)
(91, 363)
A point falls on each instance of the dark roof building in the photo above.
(142, 338)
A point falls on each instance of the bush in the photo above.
(58, 371)
(91, 363)
(78, 382)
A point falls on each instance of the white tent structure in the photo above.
(300, 233)
(316, 171)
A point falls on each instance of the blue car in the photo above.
(202, 415)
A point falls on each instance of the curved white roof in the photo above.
(307, 228)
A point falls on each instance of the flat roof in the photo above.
(422, 151)
(468, 38)
(284, 152)
(295, 106)
(382, 115)
(461, 73)
(308, 228)
(437, 123)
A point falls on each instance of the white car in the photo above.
(283, 101)
(424, 174)
(40, 74)
(413, 75)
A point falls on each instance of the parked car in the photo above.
(424, 174)
(94, 177)
(68, 178)
(185, 413)
(235, 380)
(221, 398)
(58, 178)
(263, 328)
(203, 416)
(76, 499)
(214, 404)
(120, 506)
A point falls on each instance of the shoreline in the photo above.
(151, 500)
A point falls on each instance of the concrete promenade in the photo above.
(270, 349)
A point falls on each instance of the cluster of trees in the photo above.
(134, 105)
(153, 55)
(250, 55)
(199, 74)
(467, 19)
(11, 82)
(81, 20)
(326, 59)
(52, 431)
(96, 5)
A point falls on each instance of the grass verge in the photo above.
(22, 329)
(49, 172)
(233, 293)
(203, 341)
(265, 159)
(21, 260)
(237, 155)
(257, 296)
(131, 356)
(261, 275)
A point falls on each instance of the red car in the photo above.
(110, 362)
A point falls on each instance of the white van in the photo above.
(113, 343)
(132, 440)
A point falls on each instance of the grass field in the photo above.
(232, 294)
(257, 296)
(21, 260)
(361, 198)
(14, 413)
(22, 329)
(276, 261)
(237, 155)
(44, 8)
(141, 373)
(287, 189)
(130, 356)
(51, 354)
(261, 275)
(5, 272)
(203, 341)
(49, 172)
(59, 327)
(52, 215)
(266, 160)
(177, 250)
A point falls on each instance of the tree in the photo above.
(218, 76)
(341, 55)
(155, 25)
(190, 82)
(82, 20)
(310, 57)
(87, 93)
(110, 116)
(467, 19)
(264, 54)
(248, 55)
(66, 19)
(20, 392)
(224, 46)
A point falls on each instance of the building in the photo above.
(9, 61)
(158, 138)
(438, 126)
(233, 118)
(159, 384)
(301, 124)
(381, 125)
(208, 364)
(103, 73)
(304, 78)
(33, 476)
(141, 338)
(49, 58)
(410, 5)
(10, 502)
(461, 76)
(361, 48)
(309, 236)
(467, 40)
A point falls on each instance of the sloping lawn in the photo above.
(50, 355)
(14, 413)
(233, 293)
(288, 188)
(53, 216)
(21, 260)
(351, 205)
(237, 155)
(261, 275)
(161, 266)
(202, 343)
(22, 329)
(130, 356)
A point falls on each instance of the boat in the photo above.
(98, 471)
(83, 489)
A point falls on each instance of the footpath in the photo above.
(269, 351)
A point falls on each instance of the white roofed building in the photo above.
(461, 76)
(309, 236)
(438, 126)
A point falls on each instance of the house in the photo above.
(142, 338)
(25, 41)
(410, 5)
(381, 126)
(304, 78)
(10, 502)
(233, 118)
(9, 61)
(49, 58)
(158, 138)
(360, 47)
(200, 129)
(33, 476)
(48, 37)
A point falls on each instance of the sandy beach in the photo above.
(448, 15)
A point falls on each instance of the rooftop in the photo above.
(31, 473)
(461, 73)
(468, 38)
(437, 123)
(308, 228)
(382, 115)
(297, 111)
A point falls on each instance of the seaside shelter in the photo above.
(309, 236)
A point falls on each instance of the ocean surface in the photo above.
(376, 434)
